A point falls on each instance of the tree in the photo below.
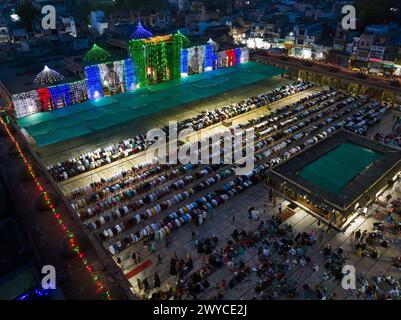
(27, 12)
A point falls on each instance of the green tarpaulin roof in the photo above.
(47, 128)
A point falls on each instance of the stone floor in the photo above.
(222, 226)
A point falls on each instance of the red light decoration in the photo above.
(72, 239)
(230, 57)
(44, 98)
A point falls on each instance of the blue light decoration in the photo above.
(94, 82)
(208, 57)
(141, 32)
(237, 55)
(129, 75)
(62, 92)
(184, 62)
(36, 294)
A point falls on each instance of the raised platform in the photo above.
(93, 116)
(339, 172)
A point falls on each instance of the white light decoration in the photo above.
(78, 91)
(25, 103)
(244, 55)
(47, 76)
(15, 17)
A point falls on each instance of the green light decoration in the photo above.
(138, 52)
(175, 56)
(184, 39)
(157, 59)
(96, 54)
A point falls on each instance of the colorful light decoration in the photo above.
(209, 57)
(222, 59)
(153, 59)
(25, 103)
(44, 99)
(244, 55)
(60, 92)
(47, 76)
(72, 239)
(78, 91)
(141, 32)
(182, 37)
(129, 75)
(237, 55)
(230, 57)
(184, 62)
(96, 53)
(214, 44)
(94, 82)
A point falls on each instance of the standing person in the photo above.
(321, 235)
(173, 268)
(134, 257)
(156, 280)
(140, 284)
(358, 235)
(145, 284)
(279, 209)
(233, 219)
(193, 234)
(159, 259)
(364, 234)
(138, 257)
(190, 264)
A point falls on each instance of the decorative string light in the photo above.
(141, 32)
(94, 82)
(129, 74)
(214, 44)
(73, 243)
(96, 53)
(78, 91)
(244, 55)
(184, 62)
(222, 59)
(47, 76)
(60, 92)
(183, 38)
(209, 57)
(44, 99)
(25, 103)
(237, 55)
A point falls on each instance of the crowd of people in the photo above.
(122, 149)
(129, 207)
(345, 106)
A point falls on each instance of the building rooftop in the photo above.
(339, 169)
